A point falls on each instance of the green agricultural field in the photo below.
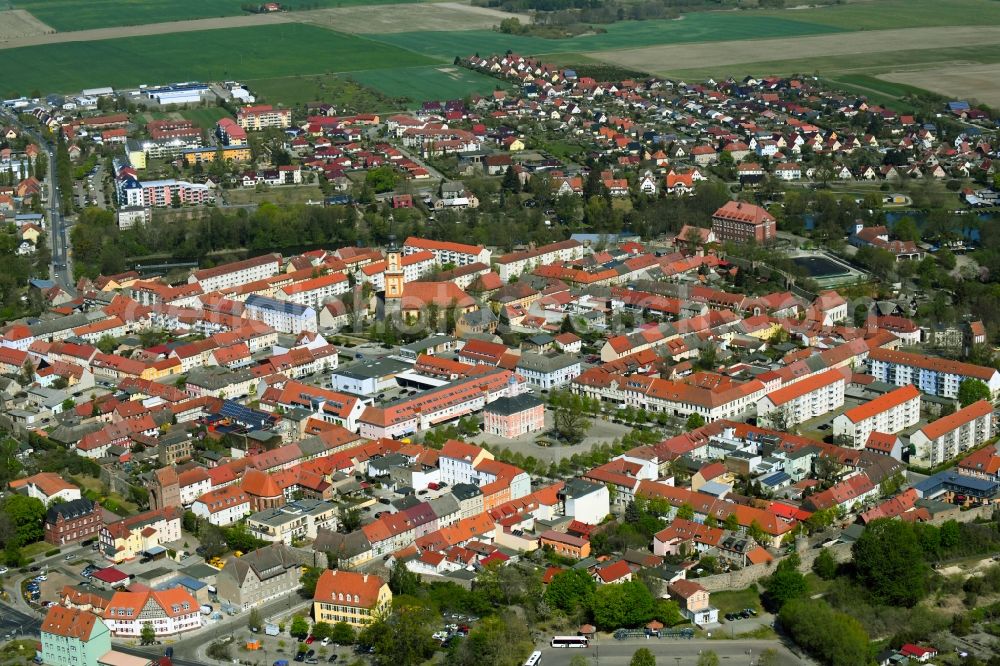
(420, 84)
(699, 27)
(885, 14)
(856, 69)
(67, 15)
(213, 55)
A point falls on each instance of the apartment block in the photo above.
(952, 435)
(889, 413)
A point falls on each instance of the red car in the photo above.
(309, 639)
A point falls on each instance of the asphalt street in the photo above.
(672, 652)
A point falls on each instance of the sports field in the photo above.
(420, 84)
(66, 15)
(215, 55)
(202, 117)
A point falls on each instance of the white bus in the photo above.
(535, 659)
(569, 642)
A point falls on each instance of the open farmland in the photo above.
(66, 15)
(219, 55)
(700, 27)
(779, 56)
(977, 83)
(420, 84)
(17, 24)
(436, 16)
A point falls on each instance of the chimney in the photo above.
(365, 578)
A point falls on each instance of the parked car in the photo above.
(3, 570)
(70, 557)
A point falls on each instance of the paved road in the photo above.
(58, 232)
(671, 652)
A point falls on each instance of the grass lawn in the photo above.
(339, 90)
(36, 549)
(421, 84)
(697, 27)
(202, 117)
(288, 194)
(217, 55)
(67, 15)
(736, 600)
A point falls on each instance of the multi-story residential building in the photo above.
(73, 521)
(888, 413)
(230, 133)
(548, 371)
(585, 501)
(564, 544)
(263, 116)
(855, 491)
(354, 598)
(952, 435)
(517, 263)
(803, 400)
(128, 538)
(932, 375)
(282, 316)
(259, 576)
(162, 193)
(445, 252)
(694, 602)
(742, 222)
(458, 462)
(514, 416)
(237, 273)
(46, 486)
(316, 291)
(421, 411)
(714, 398)
(222, 506)
(300, 519)
(170, 612)
(73, 637)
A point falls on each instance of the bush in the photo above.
(51, 553)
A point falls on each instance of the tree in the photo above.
(570, 425)
(255, 621)
(732, 522)
(308, 580)
(825, 565)
(322, 630)
(107, 344)
(580, 660)
(571, 590)
(27, 516)
(213, 540)
(889, 563)
(708, 658)
(643, 657)
(351, 520)
(972, 390)
(622, 605)
(299, 628)
(496, 641)
(342, 634)
(785, 584)
(402, 580)
(694, 421)
(685, 511)
(404, 638)
(835, 638)
(511, 182)
(148, 635)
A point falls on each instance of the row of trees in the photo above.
(611, 607)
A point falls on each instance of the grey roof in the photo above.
(546, 362)
(505, 406)
(373, 369)
(341, 545)
(464, 491)
(50, 326)
(577, 488)
(444, 505)
(267, 562)
(69, 510)
(216, 377)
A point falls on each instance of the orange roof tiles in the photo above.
(882, 403)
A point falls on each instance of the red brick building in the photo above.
(741, 222)
(73, 521)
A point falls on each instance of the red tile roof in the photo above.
(882, 403)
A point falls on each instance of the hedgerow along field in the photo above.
(212, 55)
(68, 15)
